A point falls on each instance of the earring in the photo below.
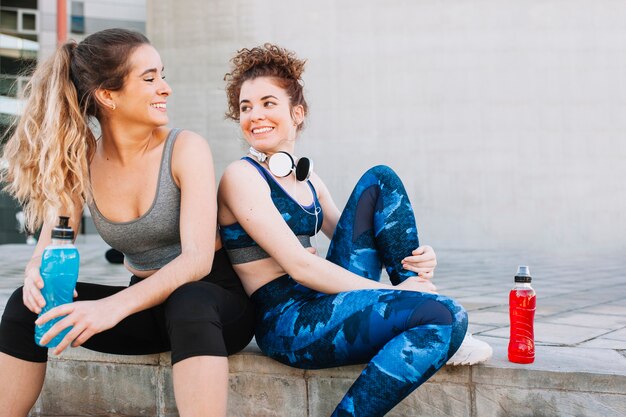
(113, 106)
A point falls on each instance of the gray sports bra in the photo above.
(152, 240)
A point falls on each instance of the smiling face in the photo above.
(267, 119)
(143, 99)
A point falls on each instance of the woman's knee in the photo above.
(17, 331)
(431, 311)
(378, 174)
(445, 311)
(458, 313)
(15, 308)
(440, 310)
(381, 171)
(17, 297)
(459, 322)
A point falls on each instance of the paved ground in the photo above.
(581, 302)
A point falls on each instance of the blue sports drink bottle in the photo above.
(59, 271)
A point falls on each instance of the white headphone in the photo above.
(282, 164)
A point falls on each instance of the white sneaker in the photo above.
(472, 351)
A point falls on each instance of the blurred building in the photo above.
(28, 32)
(19, 46)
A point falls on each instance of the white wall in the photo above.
(506, 118)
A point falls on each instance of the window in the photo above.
(78, 17)
(29, 22)
(8, 19)
(14, 20)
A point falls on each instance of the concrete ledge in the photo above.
(562, 382)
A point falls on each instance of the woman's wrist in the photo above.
(33, 264)
(115, 308)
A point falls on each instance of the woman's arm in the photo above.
(247, 196)
(192, 168)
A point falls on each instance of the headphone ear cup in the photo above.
(281, 164)
(304, 168)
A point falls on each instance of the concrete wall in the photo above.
(505, 118)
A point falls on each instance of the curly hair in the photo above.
(268, 60)
(52, 143)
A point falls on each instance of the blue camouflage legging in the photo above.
(404, 336)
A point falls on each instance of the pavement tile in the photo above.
(455, 291)
(486, 317)
(618, 309)
(476, 328)
(471, 306)
(616, 335)
(501, 308)
(604, 343)
(595, 297)
(556, 333)
(549, 291)
(565, 334)
(486, 300)
(584, 319)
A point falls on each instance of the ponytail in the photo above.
(51, 145)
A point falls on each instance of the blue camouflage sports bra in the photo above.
(241, 248)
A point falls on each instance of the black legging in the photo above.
(212, 317)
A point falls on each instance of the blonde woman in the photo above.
(151, 193)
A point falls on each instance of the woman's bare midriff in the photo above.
(137, 272)
(256, 274)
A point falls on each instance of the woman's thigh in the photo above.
(204, 316)
(346, 328)
(140, 333)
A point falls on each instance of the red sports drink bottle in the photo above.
(522, 303)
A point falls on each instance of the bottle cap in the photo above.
(523, 274)
(63, 229)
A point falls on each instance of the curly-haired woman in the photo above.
(314, 312)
